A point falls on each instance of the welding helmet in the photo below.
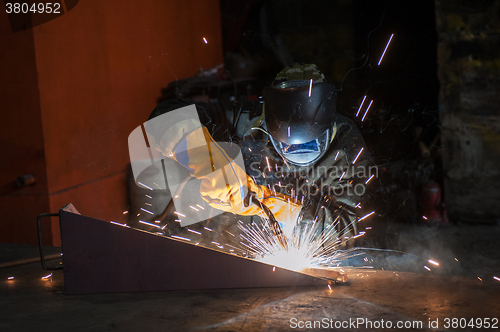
(300, 108)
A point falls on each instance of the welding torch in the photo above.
(275, 226)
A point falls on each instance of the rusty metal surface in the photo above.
(101, 257)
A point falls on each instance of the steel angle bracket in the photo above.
(101, 257)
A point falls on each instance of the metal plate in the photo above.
(101, 257)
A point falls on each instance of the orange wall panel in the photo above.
(99, 71)
(101, 67)
(21, 137)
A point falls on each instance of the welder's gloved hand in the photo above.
(224, 184)
(285, 209)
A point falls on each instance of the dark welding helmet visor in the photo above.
(299, 117)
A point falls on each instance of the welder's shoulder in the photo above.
(346, 128)
(348, 136)
(344, 122)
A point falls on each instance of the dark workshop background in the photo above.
(73, 89)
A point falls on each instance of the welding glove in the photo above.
(224, 184)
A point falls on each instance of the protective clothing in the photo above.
(224, 184)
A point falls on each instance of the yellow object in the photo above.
(224, 184)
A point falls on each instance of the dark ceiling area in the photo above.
(346, 40)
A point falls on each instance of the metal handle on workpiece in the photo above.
(40, 245)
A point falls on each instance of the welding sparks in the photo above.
(149, 224)
(359, 235)
(386, 46)
(201, 207)
(192, 207)
(148, 196)
(117, 223)
(480, 279)
(369, 178)
(337, 155)
(10, 278)
(181, 238)
(268, 166)
(329, 287)
(361, 106)
(340, 179)
(424, 217)
(125, 212)
(205, 40)
(47, 277)
(208, 229)
(366, 216)
(496, 278)
(179, 214)
(310, 87)
(433, 262)
(147, 211)
(357, 156)
(274, 268)
(309, 245)
(145, 186)
(193, 231)
(366, 112)
(428, 269)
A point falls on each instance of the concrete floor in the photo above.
(29, 303)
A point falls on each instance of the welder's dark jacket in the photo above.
(329, 190)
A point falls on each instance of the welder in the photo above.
(301, 156)
(310, 151)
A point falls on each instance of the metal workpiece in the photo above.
(102, 257)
